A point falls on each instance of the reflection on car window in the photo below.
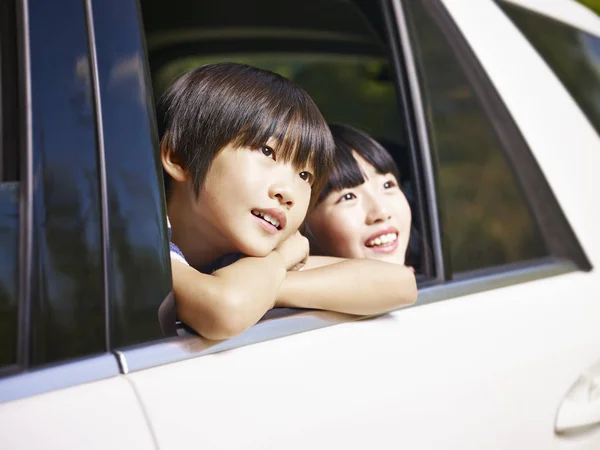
(573, 55)
(485, 220)
(9, 191)
(68, 293)
(9, 276)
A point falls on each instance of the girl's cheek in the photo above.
(342, 231)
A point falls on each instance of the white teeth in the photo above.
(269, 218)
(383, 240)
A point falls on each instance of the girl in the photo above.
(245, 154)
(361, 212)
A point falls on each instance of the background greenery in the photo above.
(594, 5)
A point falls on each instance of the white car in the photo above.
(492, 110)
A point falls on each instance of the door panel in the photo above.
(483, 371)
(99, 415)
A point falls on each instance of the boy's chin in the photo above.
(257, 251)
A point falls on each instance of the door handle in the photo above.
(580, 409)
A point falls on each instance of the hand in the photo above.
(294, 251)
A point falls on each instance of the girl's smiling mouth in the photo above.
(384, 241)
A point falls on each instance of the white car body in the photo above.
(488, 370)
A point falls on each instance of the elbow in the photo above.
(228, 323)
(401, 291)
(224, 321)
(408, 288)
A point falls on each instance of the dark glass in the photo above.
(484, 216)
(9, 272)
(67, 287)
(9, 189)
(574, 55)
(139, 264)
(9, 119)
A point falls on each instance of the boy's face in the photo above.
(252, 200)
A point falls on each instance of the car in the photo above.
(491, 109)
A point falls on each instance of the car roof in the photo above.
(566, 11)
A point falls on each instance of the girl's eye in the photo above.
(346, 197)
(389, 184)
(268, 151)
(307, 176)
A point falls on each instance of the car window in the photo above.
(138, 263)
(573, 55)
(9, 191)
(333, 49)
(68, 292)
(485, 219)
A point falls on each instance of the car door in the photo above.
(60, 385)
(506, 319)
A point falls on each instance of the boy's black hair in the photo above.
(345, 172)
(228, 103)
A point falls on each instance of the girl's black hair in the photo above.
(228, 103)
(345, 172)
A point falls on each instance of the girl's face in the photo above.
(371, 220)
(250, 202)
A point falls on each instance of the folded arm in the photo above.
(231, 299)
(353, 286)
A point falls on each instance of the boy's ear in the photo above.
(172, 164)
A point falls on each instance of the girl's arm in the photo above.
(353, 286)
(229, 301)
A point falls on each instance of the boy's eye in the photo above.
(389, 184)
(346, 197)
(307, 176)
(268, 151)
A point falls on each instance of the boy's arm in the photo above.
(229, 301)
(232, 299)
(353, 286)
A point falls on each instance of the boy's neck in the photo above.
(199, 245)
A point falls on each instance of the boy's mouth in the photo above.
(271, 216)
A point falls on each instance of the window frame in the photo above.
(442, 287)
(556, 232)
(22, 382)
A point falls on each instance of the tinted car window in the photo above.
(9, 190)
(138, 261)
(574, 55)
(486, 221)
(68, 314)
(9, 274)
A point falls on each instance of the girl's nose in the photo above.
(376, 212)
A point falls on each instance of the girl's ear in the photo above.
(172, 164)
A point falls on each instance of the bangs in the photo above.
(345, 172)
(228, 103)
(300, 131)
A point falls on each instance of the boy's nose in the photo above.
(283, 194)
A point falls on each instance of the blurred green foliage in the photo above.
(355, 90)
(594, 5)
